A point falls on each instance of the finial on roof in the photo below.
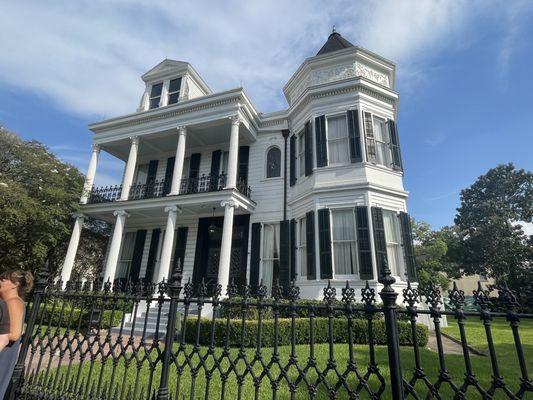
(333, 29)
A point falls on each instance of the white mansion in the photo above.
(215, 190)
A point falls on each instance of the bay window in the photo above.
(344, 242)
(338, 145)
(393, 241)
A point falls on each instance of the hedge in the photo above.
(58, 317)
(302, 332)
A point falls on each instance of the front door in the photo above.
(208, 245)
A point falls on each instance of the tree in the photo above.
(431, 252)
(489, 219)
(38, 194)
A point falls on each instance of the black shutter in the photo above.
(369, 138)
(255, 256)
(179, 251)
(169, 172)
(321, 142)
(242, 171)
(293, 249)
(308, 134)
(394, 145)
(355, 136)
(324, 238)
(310, 244)
(215, 169)
(154, 241)
(137, 255)
(408, 249)
(292, 161)
(150, 178)
(379, 238)
(194, 172)
(284, 253)
(366, 272)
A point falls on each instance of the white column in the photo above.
(114, 249)
(225, 247)
(178, 162)
(91, 172)
(130, 168)
(68, 264)
(168, 240)
(231, 180)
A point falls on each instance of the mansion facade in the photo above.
(215, 190)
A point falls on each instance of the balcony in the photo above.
(160, 188)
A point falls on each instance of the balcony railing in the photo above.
(160, 188)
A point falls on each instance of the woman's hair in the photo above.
(23, 280)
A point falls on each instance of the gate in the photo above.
(145, 341)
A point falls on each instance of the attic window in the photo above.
(155, 95)
(174, 91)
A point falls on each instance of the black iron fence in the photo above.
(166, 341)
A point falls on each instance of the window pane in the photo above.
(392, 237)
(301, 155)
(156, 90)
(270, 262)
(174, 85)
(154, 102)
(274, 163)
(173, 98)
(142, 174)
(337, 127)
(344, 244)
(302, 247)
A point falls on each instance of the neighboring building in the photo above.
(217, 191)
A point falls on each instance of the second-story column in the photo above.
(233, 157)
(91, 172)
(225, 247)
(68, 264)
(168, 241)
(178, 163)
(130, 168)
(114, 248)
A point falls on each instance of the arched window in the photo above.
(273, 165)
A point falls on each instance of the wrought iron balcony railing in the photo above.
(160, 188)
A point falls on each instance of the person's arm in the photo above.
(4, 341)
(4, 325)
(16, 315)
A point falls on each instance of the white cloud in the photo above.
(87, 57)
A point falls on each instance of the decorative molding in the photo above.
(95, 147)
(372, 74)
(182, 130)
(120, 213)
(229, 203)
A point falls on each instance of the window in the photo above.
(126, 255)
(301, 154)
(224, 162)
(270, 259)
(338, 145)
(302, 247)
(273, 163)
(392, 238)
(155, 95)
(174, 91)
(344, 242)
(142, 174)
(381, 134)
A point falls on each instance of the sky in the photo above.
(463, 73)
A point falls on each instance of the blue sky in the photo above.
(463, 72)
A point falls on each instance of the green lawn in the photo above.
(129, 377)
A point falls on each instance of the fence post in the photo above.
(388, 297)
(17, 379)
(173, 291)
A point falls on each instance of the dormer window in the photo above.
(174, 91)
(155, 95)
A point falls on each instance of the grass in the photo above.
(128, 377)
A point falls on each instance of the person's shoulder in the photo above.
(16, 302)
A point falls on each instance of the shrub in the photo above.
(60, 317)
(302, 331)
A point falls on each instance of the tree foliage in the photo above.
(38, 194)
